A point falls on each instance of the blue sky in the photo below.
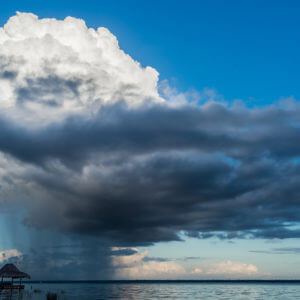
(245, 50)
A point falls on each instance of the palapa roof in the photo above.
(11, 271)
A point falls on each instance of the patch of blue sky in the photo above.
(246, 50)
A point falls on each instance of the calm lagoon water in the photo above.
(196, 290)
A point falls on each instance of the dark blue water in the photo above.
(155, 290)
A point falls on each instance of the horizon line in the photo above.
(169, 281)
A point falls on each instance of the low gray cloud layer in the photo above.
(284, 250)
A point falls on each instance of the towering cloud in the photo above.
(89, 147)
(51, 68)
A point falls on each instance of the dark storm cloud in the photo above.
(238, 134)
(157, 171)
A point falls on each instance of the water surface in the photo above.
(162, 290)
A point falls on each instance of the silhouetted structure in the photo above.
(11, 271)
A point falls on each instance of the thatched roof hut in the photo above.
(11, 271)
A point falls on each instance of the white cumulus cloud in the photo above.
(128, 260)
(153, 270)
(7, 254)
(51, 68)
(140, 265)
(226, 268)
(135, 267)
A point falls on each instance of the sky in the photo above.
(149, 140)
